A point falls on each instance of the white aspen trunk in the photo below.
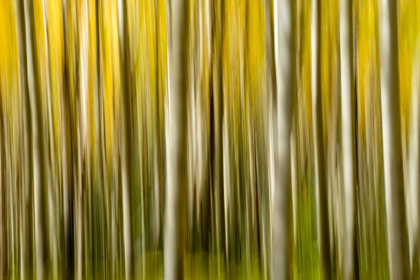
(177, 158)
(82, 126)
(394, 178)
(39, 163)
(347, 94)
(127, 164)
(3, 205)
(412, 194)
(282, 114)
(271, 75)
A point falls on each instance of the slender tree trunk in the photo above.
(217, 168)
(348, 126)
(271, 89)
(68, 161)
(39, 164)
(27, 193)
(79, 216)
(324, 233)
(68, 188)
(282, 119)
(127, 160)
(3, 204)
(394, 178)
(177, 157)
(414, 157)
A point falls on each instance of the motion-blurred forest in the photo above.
(209, 139)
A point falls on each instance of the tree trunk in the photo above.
(324, 232)
(217, 165)
(348, 127)
(3, 204)
(39, 164)
(394, 178)
(127, 160)
(177, 158)
(27, 192)
(282, 119)
(414, 159)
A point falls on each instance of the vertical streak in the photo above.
(282, 196)
(414, 164)
(177, 162)
(127, 148)
(39, 165)
(394, 180)
(347, 92)
(324, 233)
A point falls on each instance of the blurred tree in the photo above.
(348, 264)
(127, 160)
(26, 226)
(284, 53)
(37, 76)
(394, 177)
(176, 211)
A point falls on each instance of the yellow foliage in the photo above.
(303, 95)
(367, 61)
(256, 49)
(56, 57)
(41, 52)
(408, 34)
(110, 67)
(9, 71)
(329, 65)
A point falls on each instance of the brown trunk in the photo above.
(27, 172)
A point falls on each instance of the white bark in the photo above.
(177, 158)
(282, 196)
(347, 93)
(127, 168)
(39, 164)
(394, 178)
(3, 213)
(412, 194)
